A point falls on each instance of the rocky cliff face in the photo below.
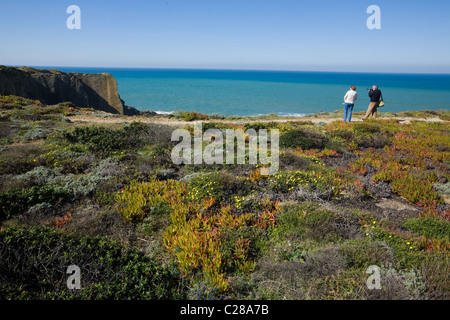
(98, 91)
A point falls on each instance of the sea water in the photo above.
(284, 93)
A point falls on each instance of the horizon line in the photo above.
(233, 69)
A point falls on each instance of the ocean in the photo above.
(284, 93)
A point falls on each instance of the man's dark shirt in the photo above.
(374, 95)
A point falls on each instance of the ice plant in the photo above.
(195, 234)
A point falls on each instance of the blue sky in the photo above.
(322, 35)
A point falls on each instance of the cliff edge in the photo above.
(85, 90)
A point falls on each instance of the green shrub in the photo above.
(377, 140)
(26, 115)
(63, 109)
(138, 134)
(18, 159)
(218, 185)
(286, 181)
(445, 115)
(367, 128)
(105, 141)
(260, 126)
(370, 135)
(363, 253)
(156, 156)
(76, 186)
(7, 129)
(216, 116)
(17, 201)
(430, 227)
(337, 144)
(406, 250)
(36, 133)
(15, 102)
(37, 176)
(97, 139)
(190, 116)
(344, 134)
(303, 138)
(290, 161)
(308, 221)
(38, 260)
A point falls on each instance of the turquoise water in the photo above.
(232, 92)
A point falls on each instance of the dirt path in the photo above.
(175, 122)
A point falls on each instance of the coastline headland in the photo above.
(85, 90)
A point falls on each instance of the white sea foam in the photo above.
(283, 114)
(164, 112)
(292, 115)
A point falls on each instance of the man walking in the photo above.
(374, 95)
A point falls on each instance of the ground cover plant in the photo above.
(106, 196)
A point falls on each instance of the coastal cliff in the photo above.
(85, 90)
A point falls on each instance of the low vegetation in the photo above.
(108, 198)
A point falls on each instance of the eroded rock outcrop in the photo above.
(98, 91)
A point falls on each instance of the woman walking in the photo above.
(349, 102)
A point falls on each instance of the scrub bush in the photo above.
(35, 262)
(190, 116)
(303, 138)
(377, 140)
(17, 201)
(97, 139)
(218, 185)
(430, 227)
(106, 141)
